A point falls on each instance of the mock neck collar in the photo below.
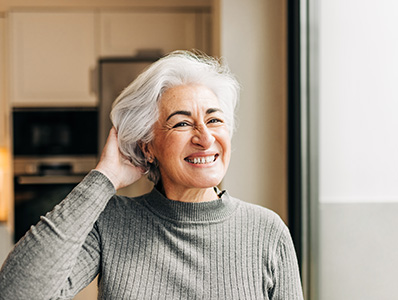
(191, 212)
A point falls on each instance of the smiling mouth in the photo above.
(202, 160)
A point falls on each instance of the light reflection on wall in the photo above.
(5, 189)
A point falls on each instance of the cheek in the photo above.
(168, 146)
(227, 155)
(225, 143)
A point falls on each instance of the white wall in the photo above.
(253, 35)
(358, 149)
(359, 101)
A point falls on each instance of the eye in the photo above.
(181, 124)
(214, 120)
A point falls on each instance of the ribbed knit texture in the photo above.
(153, 248)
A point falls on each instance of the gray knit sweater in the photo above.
(152, 248)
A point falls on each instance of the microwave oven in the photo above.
(55, 132)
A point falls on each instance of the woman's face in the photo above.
(191, 140)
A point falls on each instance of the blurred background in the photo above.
(316, 123)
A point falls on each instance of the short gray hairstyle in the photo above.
(135, 111)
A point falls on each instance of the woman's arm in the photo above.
(42, 262)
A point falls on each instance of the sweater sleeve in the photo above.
(50, 261)
(286, 275)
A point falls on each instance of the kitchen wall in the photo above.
(253, 40)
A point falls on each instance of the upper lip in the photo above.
(201, 154)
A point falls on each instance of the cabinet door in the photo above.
(52, 58)
(127, 33)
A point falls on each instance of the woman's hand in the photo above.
(114, 165)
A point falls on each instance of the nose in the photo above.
(202, 137)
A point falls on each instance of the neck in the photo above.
(190, 195)
(190, 212)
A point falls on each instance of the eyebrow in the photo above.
(188, 113)
(212, 110)
(179, 112)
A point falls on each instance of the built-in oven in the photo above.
(53, 150)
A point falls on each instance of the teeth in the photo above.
(201, 160)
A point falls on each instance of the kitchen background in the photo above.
(343, 93)
(49, 57)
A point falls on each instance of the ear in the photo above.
(148, 151)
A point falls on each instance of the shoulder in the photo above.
(260, 213)
(262, 220)
(122, 207)
(273, 233)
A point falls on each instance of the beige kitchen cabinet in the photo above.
(126, 33)
(53, 55)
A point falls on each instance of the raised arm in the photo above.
(40, 265)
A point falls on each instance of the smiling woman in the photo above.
(185, 239)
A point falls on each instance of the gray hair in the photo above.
(135, 111)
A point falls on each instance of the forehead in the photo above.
(187, 97)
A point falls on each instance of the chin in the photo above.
(208, 183)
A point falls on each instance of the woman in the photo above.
(183, 240)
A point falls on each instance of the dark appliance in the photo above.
(53, 149)
(115, 74)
